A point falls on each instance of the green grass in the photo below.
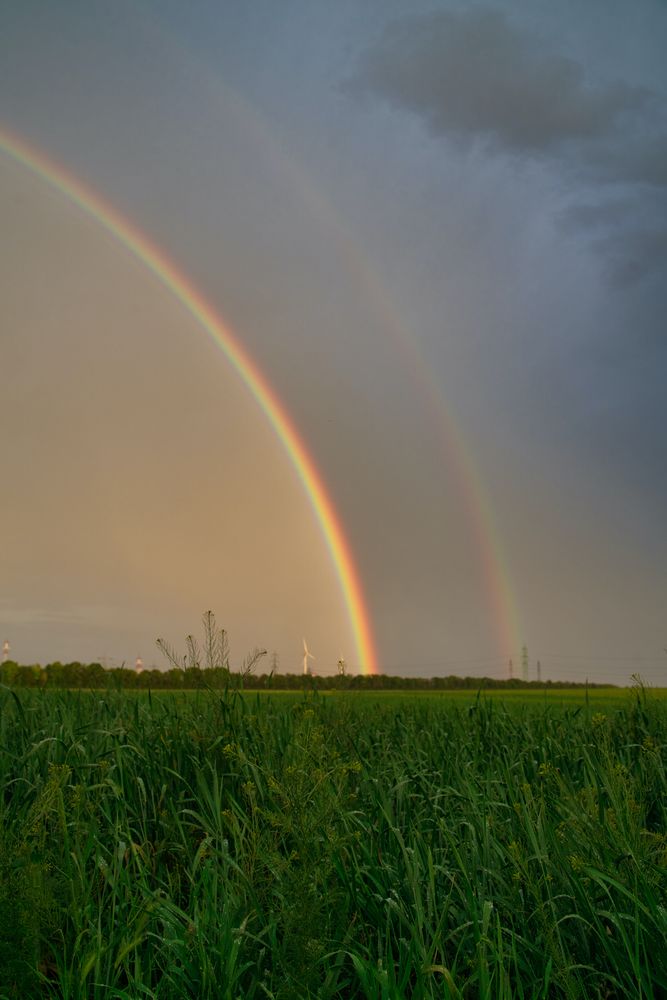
(376, 845)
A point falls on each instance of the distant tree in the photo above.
(8, 672)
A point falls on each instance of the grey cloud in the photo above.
(628, 234)
(473, 73)
(597, 216)
(634, 255)
(640, 159)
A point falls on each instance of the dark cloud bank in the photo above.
(474, 76)
(474, 73)
(481, 83)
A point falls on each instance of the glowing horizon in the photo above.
(196, 305)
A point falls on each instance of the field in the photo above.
(380, 846)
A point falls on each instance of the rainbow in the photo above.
(457, 454)
(194, 302)
(494, 563)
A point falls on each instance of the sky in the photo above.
(439, 232)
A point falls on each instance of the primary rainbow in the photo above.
(197, 306)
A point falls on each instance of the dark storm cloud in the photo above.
(629, 234)
(636, 157)
(638, 254)
(473, 73)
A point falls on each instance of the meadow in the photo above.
(381, 846)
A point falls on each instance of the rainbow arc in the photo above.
(175, 280)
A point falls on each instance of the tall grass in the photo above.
(222, 846)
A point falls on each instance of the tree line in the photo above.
(95, 676)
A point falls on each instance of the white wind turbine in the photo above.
(306, 656)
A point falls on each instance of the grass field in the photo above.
(376, 845)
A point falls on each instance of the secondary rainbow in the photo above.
(467, 479)
(455, 449)
(194, 302)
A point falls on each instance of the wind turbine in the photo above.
(306, 656)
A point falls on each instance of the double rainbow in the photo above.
(192, 300)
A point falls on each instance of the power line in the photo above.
(606, 657)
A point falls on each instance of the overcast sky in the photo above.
(439, 230)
